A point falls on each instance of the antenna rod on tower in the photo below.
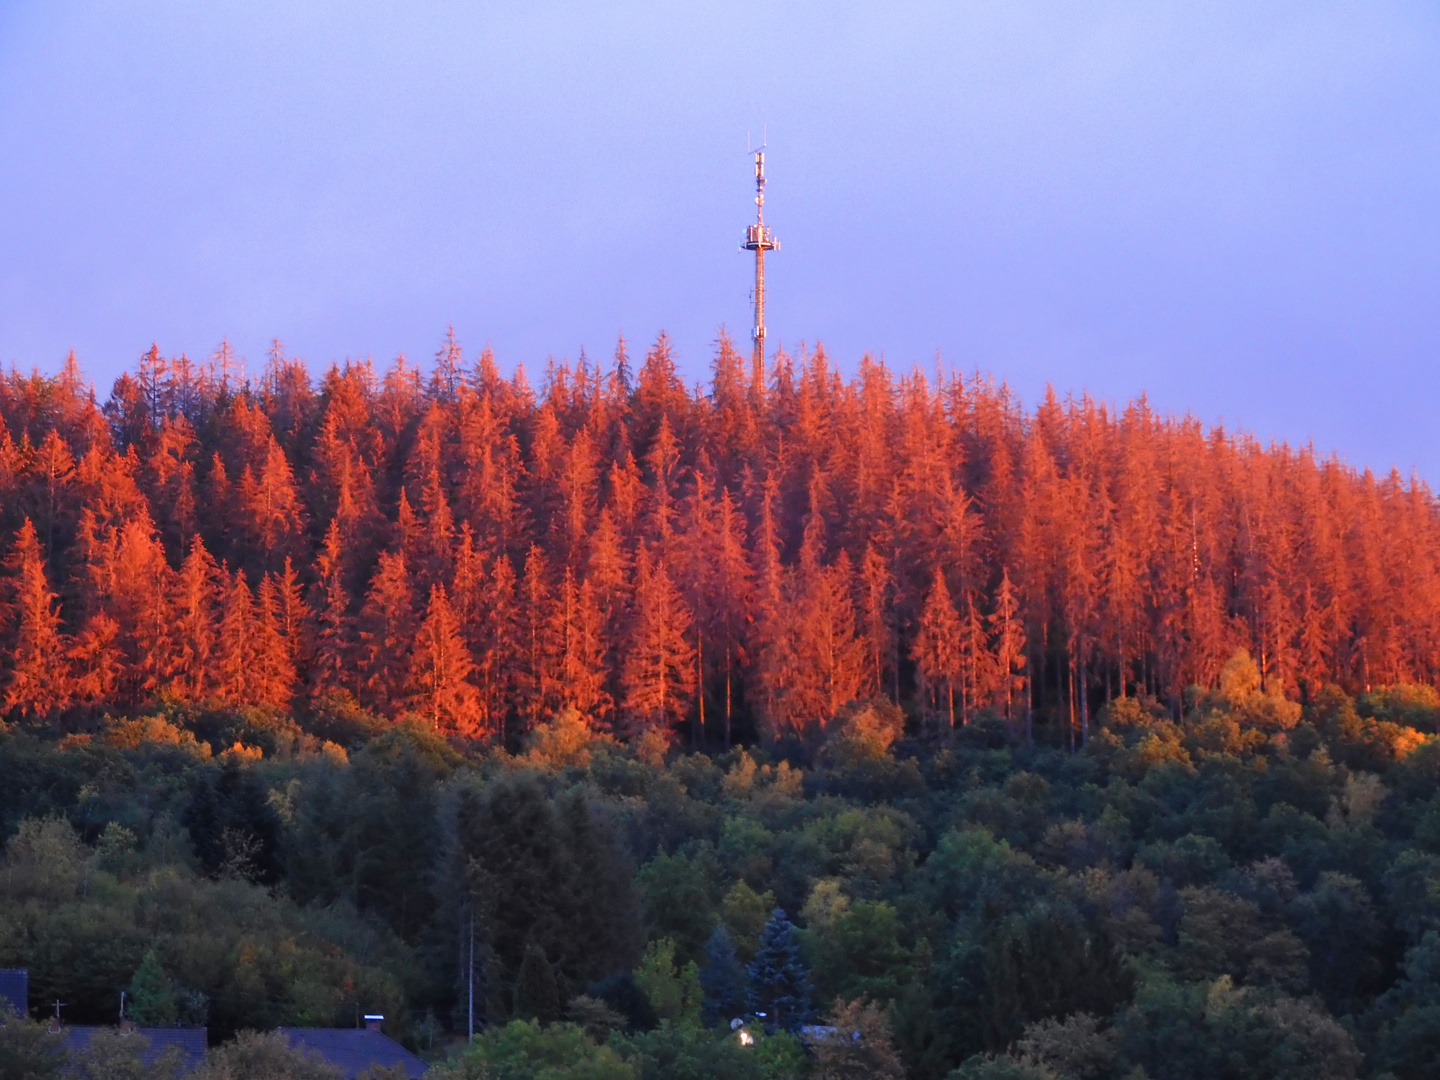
(759, 239)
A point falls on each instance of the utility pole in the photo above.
(759, 239)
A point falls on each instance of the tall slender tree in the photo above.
(39, 680)
(658, 675)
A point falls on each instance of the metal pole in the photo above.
(759, 239)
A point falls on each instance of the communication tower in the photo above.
(759, 239)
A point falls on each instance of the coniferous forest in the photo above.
(1070, 742)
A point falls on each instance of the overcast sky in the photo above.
(1232, 207)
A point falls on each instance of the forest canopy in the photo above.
(729, 562)
(1069, 742)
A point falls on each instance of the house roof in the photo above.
(353, 1050)
(15, 988)
(191, 1043)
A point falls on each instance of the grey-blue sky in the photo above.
(1232, 207)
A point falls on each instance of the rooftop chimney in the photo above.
(373, 1021)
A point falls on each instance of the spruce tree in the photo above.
(722, 979)
(779, 981)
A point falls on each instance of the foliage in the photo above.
(722, 980)
(256, 1056)
(116, 1055)
(152, 1000)
(779, 981)
(526, 1050)
(674, 990)
(27, 1050)
(859, 1044)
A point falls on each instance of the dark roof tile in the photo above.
(353, 1050)
(190, 1041)
(15, 988)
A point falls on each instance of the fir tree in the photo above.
(779, 980)
(152, 999)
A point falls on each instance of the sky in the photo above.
(1233, 208)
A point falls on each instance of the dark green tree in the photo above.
(722, 978)
(677, 903)
(1337, 922)
(1406, 1018)
(27, 1050)
(779, 981)
(152, 1000)
(600, 908)
(537, 997)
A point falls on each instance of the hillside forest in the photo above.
(1070, 742)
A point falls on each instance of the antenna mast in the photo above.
(759, 239)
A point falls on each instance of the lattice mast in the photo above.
(759, 239)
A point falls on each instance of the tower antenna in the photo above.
(759, 239)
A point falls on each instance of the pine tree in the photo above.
(877, 618)
(541, 635)
(446, 377)
(295, 619)
(722, 978)
(129, 581)
(438, 539)
(152, 1001)
(273, 676)
(658, 674)
(731, 595)
(977, 666)
(335, 636)
(440, 688)
(236, 675)
(1008, 636)
(39, 681)
(197, 590)
(583, 670)
(578, 482)
(387, 633)
(779, 980)
(498, 648)
(936, 650)
(272, 506)
(96, 660)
